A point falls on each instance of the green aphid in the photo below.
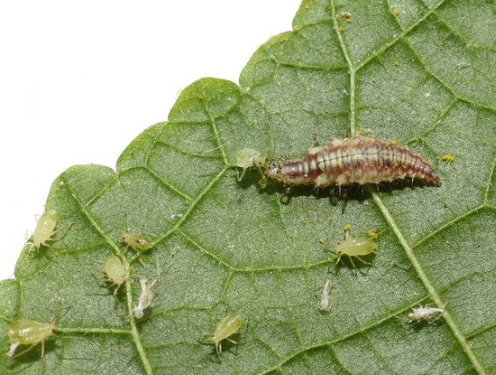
(138, 242)
(44, 231)
(355, 247)
(28, 332)
(228, 326)
(115, 271)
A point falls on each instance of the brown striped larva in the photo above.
(358, 160)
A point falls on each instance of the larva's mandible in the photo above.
(357, 160)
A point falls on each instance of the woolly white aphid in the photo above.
(429, 314)
(324, 303)
(145, 298)
(247, 158)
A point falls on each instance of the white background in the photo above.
(80, 80)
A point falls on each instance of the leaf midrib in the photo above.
(380, 204)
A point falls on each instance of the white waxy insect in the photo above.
(429, 314)
(115, 271)
(355, 247)
(247, 158)
(324, 303)
(138, 242)
(44, 231)
(228, 326)
(145, 298)
(29, 332)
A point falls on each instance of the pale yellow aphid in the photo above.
(44, 231)
(137, 242)
(396, 12)
(247, 158)
(347, 227)
(355, 248)
(29, 332)
(226, 328)
(115, 271)
(145, 298)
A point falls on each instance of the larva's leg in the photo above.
(315, 141)
(344, 196)
(286, 196)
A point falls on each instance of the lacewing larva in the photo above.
(324, 303)
(358, 160)
(29, 332)
(44, 231)
(354, 247)
(228, 326)
(145, 299)
(429, 314)
(114, 271)
(138, 242)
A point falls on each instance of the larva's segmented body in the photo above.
(357, 160)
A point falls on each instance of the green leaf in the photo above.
(421, 72)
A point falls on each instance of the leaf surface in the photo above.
(421, 72)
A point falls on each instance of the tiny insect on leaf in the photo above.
(145, 299)
(247, 158)
(324, 303)
(28, 332)
(44, 231)
(115, 271)
(137, 242)
(428, 314)
(226, 328)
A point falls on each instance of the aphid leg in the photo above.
(24, 351)
(238, 176)
(233, 342)
(363, 261)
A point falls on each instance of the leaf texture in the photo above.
(421, 72)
